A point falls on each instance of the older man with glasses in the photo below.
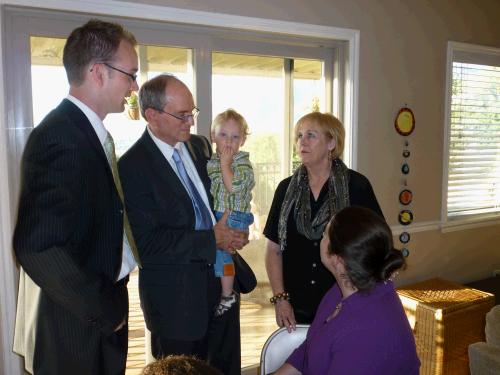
(167, 195)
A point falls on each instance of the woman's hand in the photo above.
(274, 266)
(284, 315)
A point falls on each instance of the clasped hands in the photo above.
(229, 239)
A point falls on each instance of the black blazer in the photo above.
(69, 237)
(174, 256)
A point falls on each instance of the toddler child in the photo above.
(232, 179)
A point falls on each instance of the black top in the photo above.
(304, 276)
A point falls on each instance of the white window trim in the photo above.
(475, 221)
(11, 363)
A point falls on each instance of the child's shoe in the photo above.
(226, 302)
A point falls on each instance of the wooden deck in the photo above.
(257, 323)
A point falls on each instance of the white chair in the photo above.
(279, 346)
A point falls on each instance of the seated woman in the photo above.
(360, 326)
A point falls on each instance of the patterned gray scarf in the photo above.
(298, 193)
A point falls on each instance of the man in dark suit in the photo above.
(167, 196)
(70, 236)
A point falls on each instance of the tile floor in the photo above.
(257, 323)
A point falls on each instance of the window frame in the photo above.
(481, 55)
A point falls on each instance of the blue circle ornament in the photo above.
(404, 237)
(405, 168)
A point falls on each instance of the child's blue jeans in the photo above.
(223, 260)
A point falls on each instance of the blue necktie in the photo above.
(203, 218)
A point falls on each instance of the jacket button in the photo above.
(313, 282)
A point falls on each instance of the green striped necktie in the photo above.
(109, 147)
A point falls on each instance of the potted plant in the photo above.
(133, 112)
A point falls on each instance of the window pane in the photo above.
(48, 78)
(308, 93)
(153, 60)
(474, 156)
(308, 87)
(255, 87)
(176, 61)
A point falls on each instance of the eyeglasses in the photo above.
(186, 117)
(133, 77)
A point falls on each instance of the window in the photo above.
(472, 186)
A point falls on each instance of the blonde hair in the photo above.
(230, 114)
(329, 125)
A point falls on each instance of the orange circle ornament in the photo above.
(405, 197)
(405, 121)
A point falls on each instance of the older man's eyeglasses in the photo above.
(183, 117)
(133, 77)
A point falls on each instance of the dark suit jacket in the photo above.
(174, 256)
(68, 239)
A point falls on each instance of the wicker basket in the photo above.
(445, 317)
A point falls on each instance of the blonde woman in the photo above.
(303, 204)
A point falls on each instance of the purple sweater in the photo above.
(370, 335)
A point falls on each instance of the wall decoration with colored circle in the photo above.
(405, 125)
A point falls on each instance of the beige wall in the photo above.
(402, 60)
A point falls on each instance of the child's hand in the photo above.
(226, 155)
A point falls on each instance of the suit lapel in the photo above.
(78, 118)
(164, 171)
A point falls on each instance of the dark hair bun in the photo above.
(364, 241)
(394, 260)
